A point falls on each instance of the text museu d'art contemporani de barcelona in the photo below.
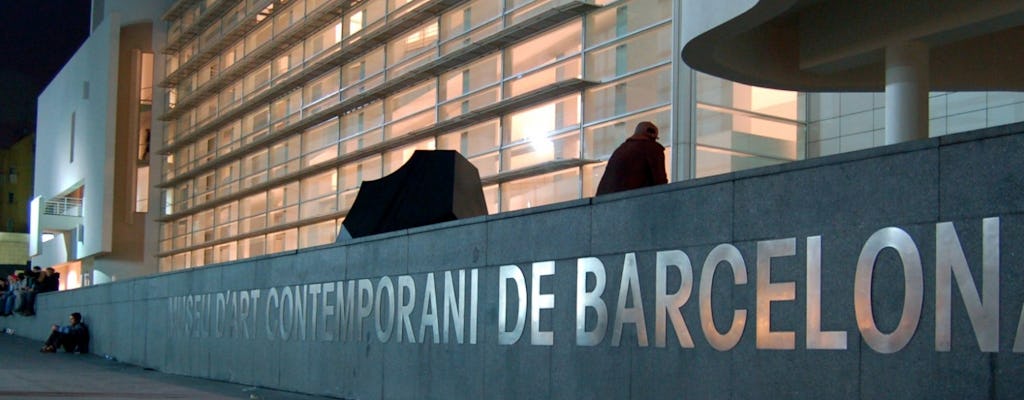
(444, 307)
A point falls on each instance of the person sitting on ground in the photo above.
(73, 338)
(638, 162)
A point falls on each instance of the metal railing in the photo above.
(64, 206)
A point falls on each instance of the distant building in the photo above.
(16, 189)
(16, 171)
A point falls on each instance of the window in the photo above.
(319, 144)
(71, 147)
(318, 234)
(324, 86)
(467, 17)
(256, 39)
(354, 22)
(635, 93)
(322, 40)
(412, 43)
(614, 22)
(10, 198)
(637, 52)
(142, 189)
(543, 50)
(540, 190)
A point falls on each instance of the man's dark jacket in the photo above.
(638, 162)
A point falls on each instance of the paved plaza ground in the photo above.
(25, 373)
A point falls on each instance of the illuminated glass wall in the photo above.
(280, 111)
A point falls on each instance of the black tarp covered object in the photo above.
(433, 186)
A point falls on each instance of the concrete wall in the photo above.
(164, 322)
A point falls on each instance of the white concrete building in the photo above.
(88, 213)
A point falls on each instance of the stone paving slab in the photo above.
(27, 374)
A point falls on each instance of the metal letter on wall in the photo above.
(670, 304)
(405, 302)
(592, 299)
(768, 292)
(454, 307)
(629, 288)
(950, 262)
(729, 254)
(505, 274)
(816, 339)
(913, 282)
(364, 306)
(539, 302)
(429, 315)
(385, 289)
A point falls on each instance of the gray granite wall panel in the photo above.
(377, 257)
(449, 246)
(982, 178)
(900, 188)
(557, 231)
(156, 333)
(843, 200)
(662, 220)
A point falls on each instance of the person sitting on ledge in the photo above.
(74, 337)
(638, 162)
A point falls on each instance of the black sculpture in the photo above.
(433, 186)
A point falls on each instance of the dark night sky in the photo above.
(36, 38)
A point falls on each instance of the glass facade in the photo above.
(278, 112)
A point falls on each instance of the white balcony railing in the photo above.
(64, 206)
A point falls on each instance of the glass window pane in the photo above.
(568, 69)
(467, 17)
(470, 78)
(412, 43)
(638, 52)
(541, 150)
(541, 121)
(320, 185)
(545, 49)
(258, 37)
(368, 117)
(252, 247)
(282, 241)
(365, 67)
(411, 101)
(612, 22)
(634, 93)
(474, 140)
(540, 190)
(283, 196)
(323, 86)
(317, 234)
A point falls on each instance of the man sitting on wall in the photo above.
(74, 337)
(638, 162)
